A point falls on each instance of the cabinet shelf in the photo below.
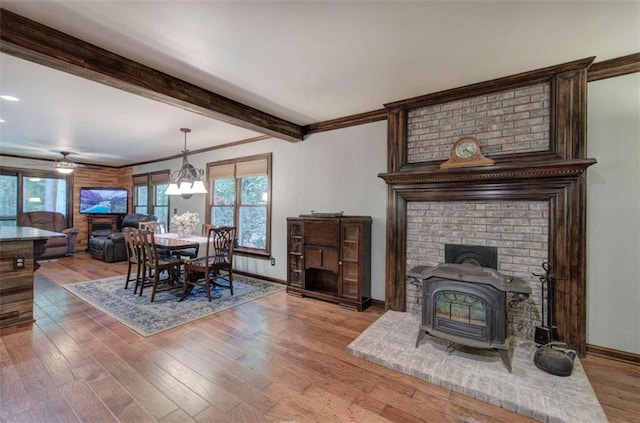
(324, 240)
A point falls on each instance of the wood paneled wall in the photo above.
(96, 177)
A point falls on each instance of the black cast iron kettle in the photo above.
(555, 358)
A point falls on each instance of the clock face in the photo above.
(466, 149)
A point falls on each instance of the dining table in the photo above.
(171, 242)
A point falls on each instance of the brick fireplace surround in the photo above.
(518, 228)
(530, 203)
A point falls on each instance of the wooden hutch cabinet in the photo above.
(329, 258)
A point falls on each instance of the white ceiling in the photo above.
(303, 61)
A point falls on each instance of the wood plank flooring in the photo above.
(279, 358)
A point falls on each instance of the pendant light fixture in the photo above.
(188, 180)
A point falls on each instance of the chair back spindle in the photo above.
(155, 227)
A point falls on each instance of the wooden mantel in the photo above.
(556, 176)
(504, 172)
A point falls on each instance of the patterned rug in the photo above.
(390, 341)
(148, 318)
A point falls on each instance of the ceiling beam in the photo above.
(30, 40)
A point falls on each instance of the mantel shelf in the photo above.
(498, 172)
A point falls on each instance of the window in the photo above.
(141, 199)
(240, 196)
(25, 190)
(44, 194)
(8, 200)
(149, 195)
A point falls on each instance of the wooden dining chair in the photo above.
(205, 228)
(188, 253)
(134, 256)
(216, 265)
(191, 253)
(155, 264)
(155, 227)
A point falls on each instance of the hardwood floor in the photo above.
(279, 358)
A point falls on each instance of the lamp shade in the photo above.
(64, 170)
(198, 188)
(185, 188)
(172, 189)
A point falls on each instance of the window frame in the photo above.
(244, 251)
(153, 179)
(22, 173)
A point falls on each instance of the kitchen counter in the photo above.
(25, 233)
(20, 247)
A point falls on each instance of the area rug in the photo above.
(148, 318)
(390, 341)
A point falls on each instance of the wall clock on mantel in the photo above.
(465, 153)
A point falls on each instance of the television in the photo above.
(103, 200)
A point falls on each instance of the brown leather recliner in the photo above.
(56, 222)
(108, 245)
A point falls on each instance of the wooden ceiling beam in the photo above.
(30, 40)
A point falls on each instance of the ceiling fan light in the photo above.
(64, 170)
(64, 166)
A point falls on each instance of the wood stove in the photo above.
(467, 304)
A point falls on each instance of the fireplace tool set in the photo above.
(551, 355)
(548, 332)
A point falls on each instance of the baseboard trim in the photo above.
(374, 302)
(264, 278)
(377, 303)
(618, 355)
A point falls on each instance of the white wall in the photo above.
(328, 172)
(613, 214)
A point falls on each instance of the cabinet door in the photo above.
(295, 258)
(321, 258)
(321, 232)
(350, 285)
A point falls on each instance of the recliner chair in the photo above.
(108, 245)
(55, 222)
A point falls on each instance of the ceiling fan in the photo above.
(65, 165)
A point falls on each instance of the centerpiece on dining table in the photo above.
(184, 224)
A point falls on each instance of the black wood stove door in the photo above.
(464, 312)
